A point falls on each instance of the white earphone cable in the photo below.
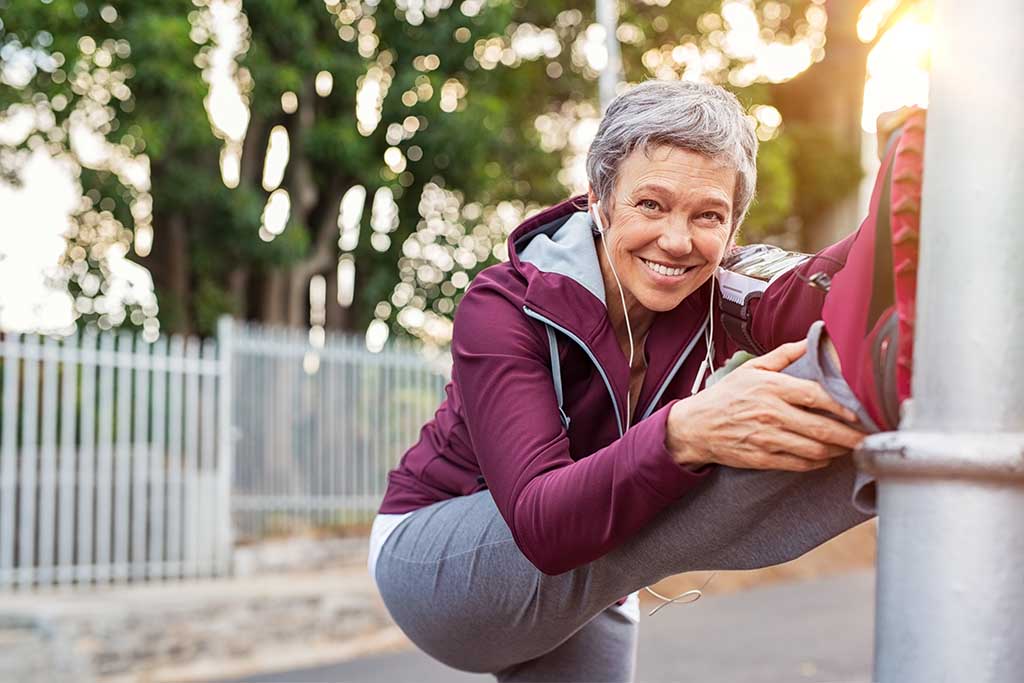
(710, 355)
(629, 330)
(695, 594)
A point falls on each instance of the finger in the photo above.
(820, 428)
(792, 443)
(779, 358)
(807, 393)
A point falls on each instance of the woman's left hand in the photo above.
(759, 418)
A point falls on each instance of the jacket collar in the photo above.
(556, 254)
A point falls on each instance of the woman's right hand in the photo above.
(758, 418)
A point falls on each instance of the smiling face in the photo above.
(670, 223)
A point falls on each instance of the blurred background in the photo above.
(166, 163)
(233, 236)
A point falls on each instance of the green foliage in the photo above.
(487, 151)
(826, 170)
(776, 188)
(335, 143)
(212, 302)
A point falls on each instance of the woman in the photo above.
(576, 459)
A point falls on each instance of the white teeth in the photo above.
(663, 270)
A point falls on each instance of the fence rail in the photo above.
(122, 460)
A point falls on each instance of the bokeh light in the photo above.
(276, 212)
(276, 159)
(350, 214)
(220, 27)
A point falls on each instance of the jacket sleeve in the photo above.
(789, 306)
(562, 513)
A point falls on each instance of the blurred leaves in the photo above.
(472, 169)
(825, 168)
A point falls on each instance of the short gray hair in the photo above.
(698, 117)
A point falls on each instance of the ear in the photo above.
(591, 197)
(730, 244)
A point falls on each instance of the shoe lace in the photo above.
(820, 280)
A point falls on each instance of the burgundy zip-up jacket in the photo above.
(571, 494)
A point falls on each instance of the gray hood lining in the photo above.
(568, 249)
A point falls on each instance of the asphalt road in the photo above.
(818, 630)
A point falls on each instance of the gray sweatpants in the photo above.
(455, 582)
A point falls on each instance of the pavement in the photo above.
(190, 630)
(818, 630)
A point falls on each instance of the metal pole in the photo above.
(611, 74)
(950, 602)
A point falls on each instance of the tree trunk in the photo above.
(238, 286)
(170, 266)
(273, 299)
(298, 304)
(251, 169)
(305, 193)
(338, 317)
(831, 94)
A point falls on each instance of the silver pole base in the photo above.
(950, 596)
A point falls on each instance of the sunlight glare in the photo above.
(898, 68)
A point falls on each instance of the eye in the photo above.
(649, 205)
(712, 216)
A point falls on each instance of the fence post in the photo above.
(225, 443)
(12, 355)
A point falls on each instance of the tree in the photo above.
(443, 125)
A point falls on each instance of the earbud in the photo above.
(595, 213)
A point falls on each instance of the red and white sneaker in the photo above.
(869, 310)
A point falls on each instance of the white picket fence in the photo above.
(118, 457)
(109, 461)
(317, 429)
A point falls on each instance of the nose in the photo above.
(677, 239)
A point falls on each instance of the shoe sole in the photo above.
(875, 341)
(905, 222)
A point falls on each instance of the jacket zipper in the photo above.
(675, 368)
(615, 404)
(593, 359)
